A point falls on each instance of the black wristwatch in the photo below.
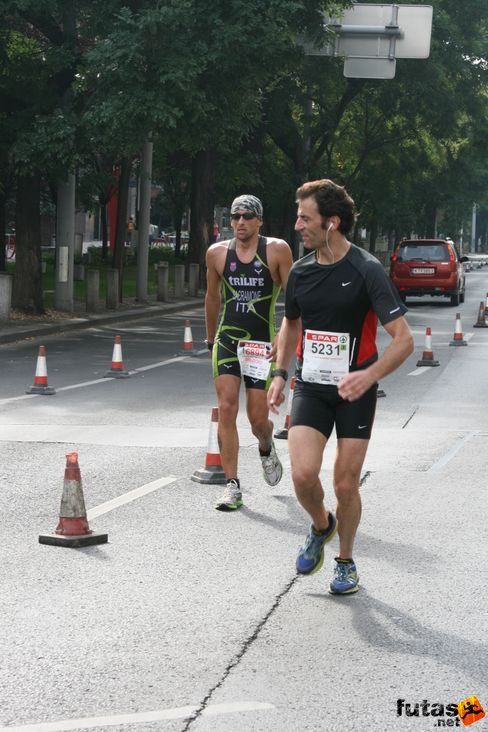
(280, 372)
(210, 345)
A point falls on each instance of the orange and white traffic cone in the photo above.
(212, 472)
(481, 322)
(428, 354)
(73, 529)
(117, 368)
(283, 433)
(40, 385)
(486, 306)
(458, 338)
(188, 349)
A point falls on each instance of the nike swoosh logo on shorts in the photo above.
(362, 426)
(394, 311)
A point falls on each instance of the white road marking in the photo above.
(138, 717)
(419, 371)
(143, 490)
(105, 379)
(449, 455)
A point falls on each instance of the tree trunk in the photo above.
(120, 234)
(202, 205)
(103, 226)
(373, 235)
(3, 238)
(27, 282)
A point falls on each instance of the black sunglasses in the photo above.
(247, 216)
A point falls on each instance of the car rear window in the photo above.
(424, 252)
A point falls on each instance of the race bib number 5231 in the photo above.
(325, 356)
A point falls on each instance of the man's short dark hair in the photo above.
(332, 200)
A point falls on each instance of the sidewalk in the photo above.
(21, 327)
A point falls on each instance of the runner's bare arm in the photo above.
(212, 295)
(356, 383)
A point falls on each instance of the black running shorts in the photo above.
(322, 408)
(226, 361)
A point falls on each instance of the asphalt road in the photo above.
(190, 619)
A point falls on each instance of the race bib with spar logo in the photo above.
(325, 356)
(253, 359)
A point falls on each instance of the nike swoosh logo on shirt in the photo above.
(394, 311)
(345, 284)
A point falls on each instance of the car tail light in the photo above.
(452, 258)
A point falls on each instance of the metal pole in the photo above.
(473, 229)
(144, 221)
(65, 244)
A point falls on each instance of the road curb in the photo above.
(13, 332)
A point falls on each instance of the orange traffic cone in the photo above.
(481, 322)
(428, 355)
(458, 339)
(283, 433)
(40, 385)
(486, 306)
(117, 369)
(212, 472)
(188, 349)
(72, 529)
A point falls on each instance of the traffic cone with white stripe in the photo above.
(481, 322)
(40, 385)
(212, 472)
(117, 370)
(73, 529)
(458, 338)
(283, 433)
(188, 349)
(428, 354)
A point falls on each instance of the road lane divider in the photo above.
(40, 385)
(212, 472)
(113, 720)
(458, 338)
(93, 382)
(133, 495)
(428, 354)
(117, 370)
(73, 529)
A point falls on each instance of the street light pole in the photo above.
(65, 244)
(144, 221)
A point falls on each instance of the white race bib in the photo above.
(252, 359)
(325, 356)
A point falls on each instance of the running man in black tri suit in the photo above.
(334, 298)
(244, 277)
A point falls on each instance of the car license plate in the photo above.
(423, 270)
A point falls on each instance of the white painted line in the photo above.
(449, 455)
(138, 718)
(419, 371)
(105, 379)
(143, 490)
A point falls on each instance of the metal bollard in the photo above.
(5, 296)
(163, 278)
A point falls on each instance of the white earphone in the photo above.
(331, 226)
